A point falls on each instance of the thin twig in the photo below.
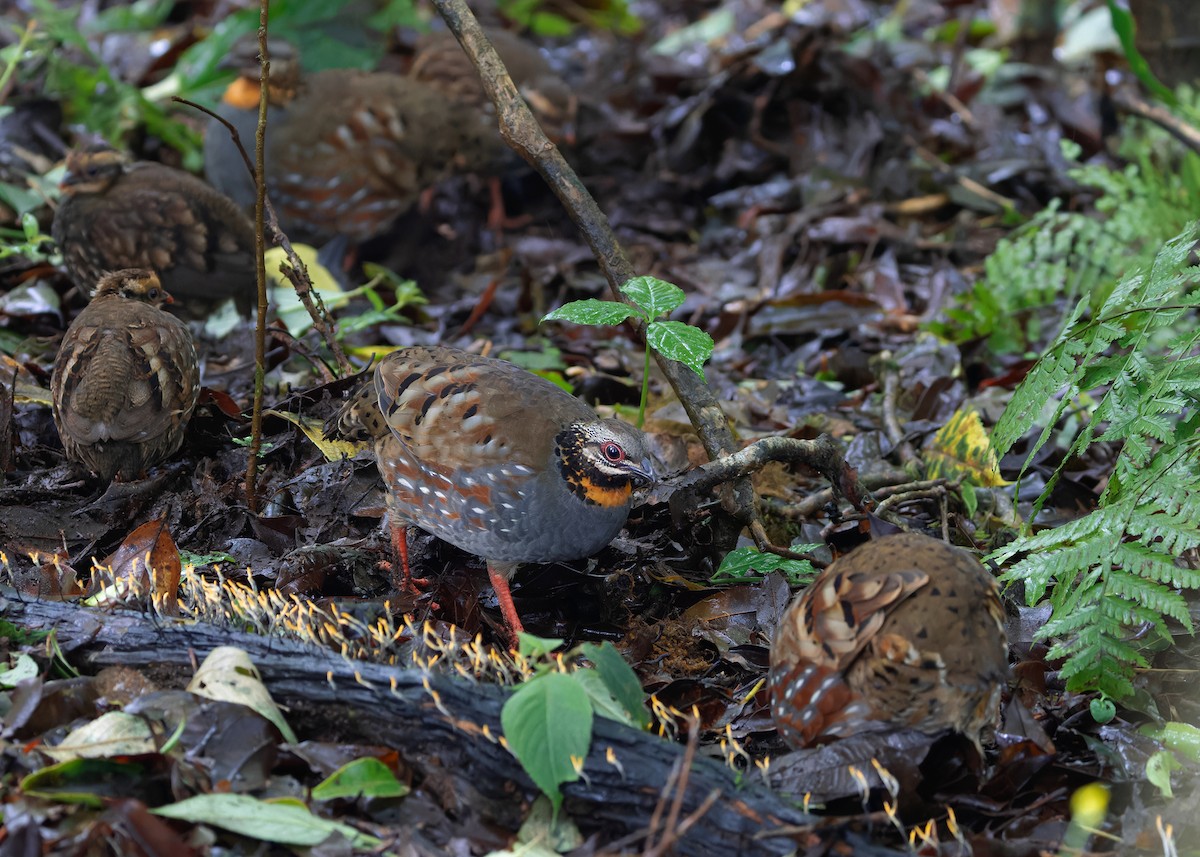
(260, 264)
(1130, 101)
(891, 396)
(521, 132)
(294, 269)
(670, 832)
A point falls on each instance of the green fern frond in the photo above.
(1116, 569)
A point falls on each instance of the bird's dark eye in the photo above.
(153, 294)
(613, 452)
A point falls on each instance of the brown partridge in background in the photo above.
(441, 62)
(494, 460)
(904, 632)
(126, 378)
(116, 214)
(347, 151)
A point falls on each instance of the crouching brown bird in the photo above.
(494, 460)
(126, 378)
(116, 214)
(904, 632)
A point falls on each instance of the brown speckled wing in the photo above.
(126, 379)
(441, 62)
(822, 633)
(356, 150)
(125, 384)
(459, 412)
(904, 632)
(156, 217)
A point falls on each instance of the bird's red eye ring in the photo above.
(613, 452)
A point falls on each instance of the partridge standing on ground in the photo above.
(441, 62)
(347, 151)
(126, 378)
(904, 632)
(116, 213)
(494, 460)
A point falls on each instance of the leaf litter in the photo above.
(817, 201)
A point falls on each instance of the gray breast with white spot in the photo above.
(531, 518)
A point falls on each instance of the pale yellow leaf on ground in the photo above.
(228, 674)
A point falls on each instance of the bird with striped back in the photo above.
(495, 460)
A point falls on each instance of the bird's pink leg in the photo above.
(406, 583)
(507, 608)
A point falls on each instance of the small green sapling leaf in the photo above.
(656, 297)
(691, 346)
(591, 311)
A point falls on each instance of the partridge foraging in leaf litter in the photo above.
(494, 460)
(126, 378)
(904, 632)
(347, 152)
(116, 213)
(441, 63)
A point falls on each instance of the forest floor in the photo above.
(824, 188)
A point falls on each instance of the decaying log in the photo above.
(437, 724)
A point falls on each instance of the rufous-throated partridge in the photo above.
(494, 460)
(347, 151)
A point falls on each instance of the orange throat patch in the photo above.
(242, 94)
(605, 496)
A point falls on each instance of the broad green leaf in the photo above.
(1103, 709)
(1181, 737)
(603, 702)
(689, 345)
(1158, 771)
(285, 824)
(88, 782)
(657, 297)
(367, 777)
(535, 647)
(620, 679)
(743, 564)
(547, 723)
(591, 311)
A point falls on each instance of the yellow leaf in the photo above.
(963, 448)
(314, 429)
(374, 352)
(287, 306)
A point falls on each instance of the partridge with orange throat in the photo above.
(347, 152)
(906, 632)
(116, 213)
(126, 378)
(494, 460)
